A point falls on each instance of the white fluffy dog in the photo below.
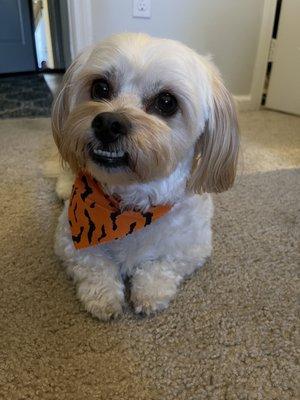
(151, 122)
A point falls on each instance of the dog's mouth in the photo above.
(110, 159)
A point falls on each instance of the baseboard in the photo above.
(245, 103)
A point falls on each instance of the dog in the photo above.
(147, 125)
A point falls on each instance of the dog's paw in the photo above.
(104, 312)
(149, 306)
(149, 297)
(102, 303)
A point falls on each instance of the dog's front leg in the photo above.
(99, 287)
(154, 284)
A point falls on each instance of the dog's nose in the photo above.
(109, 127)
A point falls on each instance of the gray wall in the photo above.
(227, 29)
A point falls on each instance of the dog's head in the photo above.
(133, 107)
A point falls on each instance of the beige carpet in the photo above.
(229, 334)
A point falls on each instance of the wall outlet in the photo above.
(142, 8)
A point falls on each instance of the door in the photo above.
(17, 52)
(54, 11)
(284, 86)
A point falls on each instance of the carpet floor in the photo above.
(229, 334)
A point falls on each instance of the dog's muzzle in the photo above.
(109, 128)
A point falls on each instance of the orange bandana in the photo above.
(96, 218)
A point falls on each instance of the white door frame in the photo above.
(80, 25)
(262, 55)
(81, 36)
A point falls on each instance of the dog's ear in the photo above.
(62, 104)
(216, 152)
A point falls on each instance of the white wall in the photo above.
(227, 29)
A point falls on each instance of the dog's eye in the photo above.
(100, 90)
(166, 104)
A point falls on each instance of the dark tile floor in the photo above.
(27, 95)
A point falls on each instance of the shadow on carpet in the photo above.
(231, 331)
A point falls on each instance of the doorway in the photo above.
(34, 53)
(51, 34)
(283, 77)
(282, 81)
(34, 36)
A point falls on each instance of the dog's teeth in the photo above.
(109, 153)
